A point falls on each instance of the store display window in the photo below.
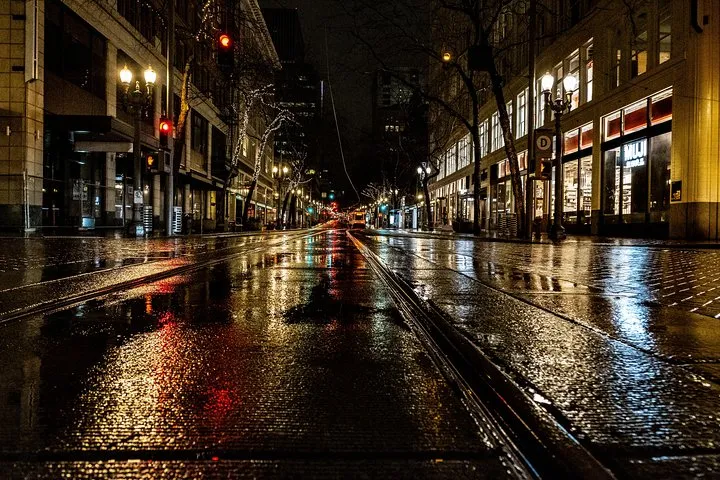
(570, 190)
(585, 190)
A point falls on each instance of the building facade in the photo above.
(67, 159)
(298, 90)
(641, 151)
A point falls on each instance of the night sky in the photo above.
(350, 66)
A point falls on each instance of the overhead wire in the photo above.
(337, 126)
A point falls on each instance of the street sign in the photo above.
(137, 196)
(543, 143)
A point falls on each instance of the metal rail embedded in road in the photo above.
(528, 433)
(54, 303)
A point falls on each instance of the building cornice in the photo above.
(263, 34)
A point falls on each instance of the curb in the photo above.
(545, 241)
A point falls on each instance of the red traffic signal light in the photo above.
(225, 52)
(165, 127)
(225, 41)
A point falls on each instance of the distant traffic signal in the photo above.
(165, 127)
(225, 51)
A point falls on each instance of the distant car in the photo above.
(357, 219)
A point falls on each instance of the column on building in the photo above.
(21, 114)
(695, 169)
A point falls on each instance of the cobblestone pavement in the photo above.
(287, 362)
(28, 260)
(654, 271)
(602, 336)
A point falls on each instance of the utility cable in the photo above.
(337, 127)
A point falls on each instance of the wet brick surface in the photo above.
(292, 359)
(610, 369)
(279, 468)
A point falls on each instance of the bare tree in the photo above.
(300, 176)
(279, 117)
(377, 193)
(248, 80)
(468, 51)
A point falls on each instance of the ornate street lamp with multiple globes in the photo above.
(139, 102)
(559, 106)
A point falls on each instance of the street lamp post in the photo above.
(138, 102)
(559, 106)
(279, 173)
(423, 172)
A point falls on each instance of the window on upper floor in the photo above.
(521, 123)
(509, 108)
(664, 30)
(74, 50)
(146, 19)
(539, 106)
(573, 66)
(639, 46)
(463, 153)
(483, 134)
(588, 57)
(199, 133)
(451, 163)
(496, 136)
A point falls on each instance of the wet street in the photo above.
(362, 355)
(607, 338)
(288, 361)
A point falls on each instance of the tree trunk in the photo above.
(284, 208)
(477, 154)
(246, 207)
(428, 209)
(181, 127)
(510, 151)
(221, 211)
(293, 207)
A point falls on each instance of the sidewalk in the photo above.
(544, 239)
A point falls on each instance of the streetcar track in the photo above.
(516, 417)
(241, 454)
(55, 304)
(525, 296)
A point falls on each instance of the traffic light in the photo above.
(543, 168)
(225, 51)
(165, 128)
(151, 162)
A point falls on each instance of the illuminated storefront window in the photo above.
(636, 157)
(570, 189)
(577, 175)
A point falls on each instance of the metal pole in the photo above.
(136, 227)
(530, 102)
(169, 103)
(558, 232)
